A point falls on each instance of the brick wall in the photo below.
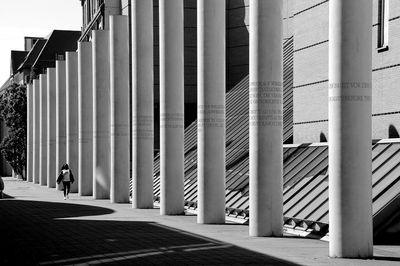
(310, 73)
(310, 26)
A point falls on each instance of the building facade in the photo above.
(310, 73)
(306, 24)
(302, 87)
(95, 16)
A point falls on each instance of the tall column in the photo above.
(61, 154)
(51, 128)
(142, 104)
(266, 131)
(85, 113)
(101, 114)
(211, 110)
(36, 131)
(171, 107)
(29, 165)
(350, 182)
(43, 130)
(72, 115)
(119, 94)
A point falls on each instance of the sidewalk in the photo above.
(39, 227)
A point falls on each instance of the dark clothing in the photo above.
(66, 187)
(59, 178)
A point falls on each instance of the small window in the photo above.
(383, 25)
(60, 57)
(85, 19)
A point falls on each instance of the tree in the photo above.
(13, 113)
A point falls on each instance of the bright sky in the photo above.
(20, 18)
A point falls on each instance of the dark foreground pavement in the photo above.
(37, 227)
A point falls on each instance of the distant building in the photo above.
(40, 53)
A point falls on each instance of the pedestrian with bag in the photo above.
(67, 178)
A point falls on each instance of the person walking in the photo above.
(67, 178)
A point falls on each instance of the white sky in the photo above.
(20, 18)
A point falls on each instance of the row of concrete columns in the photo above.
(211, 111)
(78, 113)
(119, 109)
(265, 119)
(61, 155)
(171, 107)
(71, 102)
(85, 119)
(142, 104)
(51, 128)
(92, 116)
(350, 90)
(43, 130)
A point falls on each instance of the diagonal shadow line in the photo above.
(36, 233)
(386, 258)
(109, 257)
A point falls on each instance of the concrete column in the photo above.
(72, 115)
(43, 131)
(211, 111)
(142, 104)
(350, 182)
(101, 114)
(119, 94)
(51, 128)
(29, 146)
(36, 131)
(171, 107)
(85, 117)
(266, 131)
(61, 154)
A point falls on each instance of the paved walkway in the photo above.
(39, 227)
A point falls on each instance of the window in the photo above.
(88, 12)
(383, 25)
(60, 57)
(84, 15)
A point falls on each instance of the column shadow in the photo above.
(388, 238)
(6, 196)
(386, 258)
(44, 233)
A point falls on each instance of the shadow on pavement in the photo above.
(388, 238)
(6, 196)
(386, 258)
(34, 232)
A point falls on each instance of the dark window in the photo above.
(383, 24)
(60, 57)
